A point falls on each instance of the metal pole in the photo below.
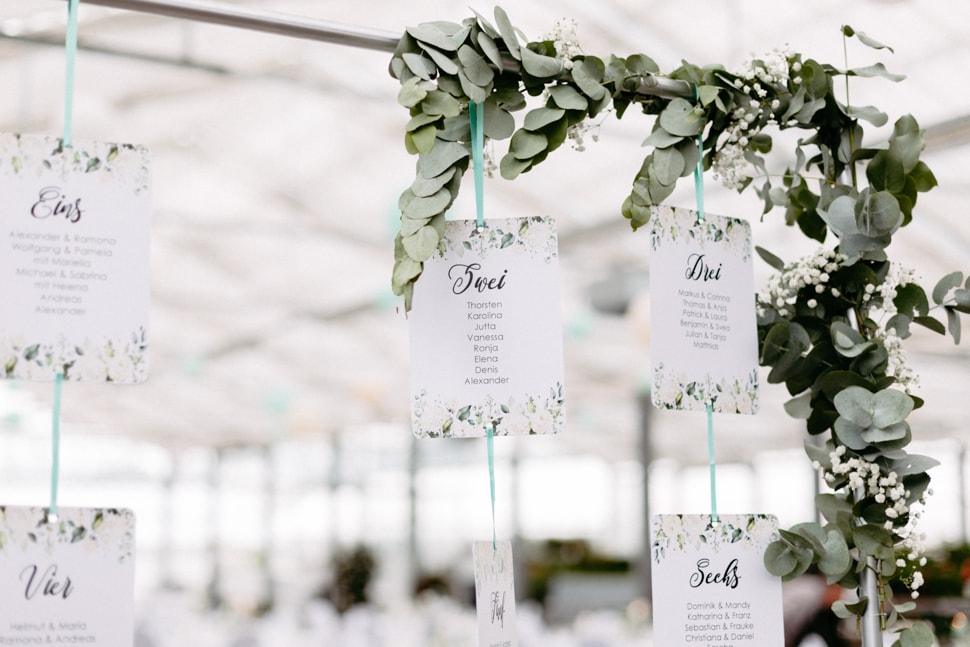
(265, 21)
(872, 618)
(319, 30)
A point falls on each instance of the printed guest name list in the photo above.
(74, 266)
(484, 348)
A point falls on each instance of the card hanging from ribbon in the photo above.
(485, 326)
(710, 585)
(69, 581)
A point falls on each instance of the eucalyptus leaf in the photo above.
(942, 289)
(849, 434)
(444, 61)
(840, 216)
(880, 435)
(423, 187)
(475, 93)
(707, 94)
(526, 145)
(537, 65)
(497, 123)
(410, 226)
(475, 66)
(931, 323)
(918, 634)
(779, 559)
(510, 167)
(487, 42)
(961, 299)
(846, 610)
(660, 138)
(877, 69)
(890, 407)
(541, 117)
(455, 129)
(800, 407)
(441, 103)
(588, 75)
(485, 25)
(834, 560)
(874, 540)
(426, 207)
(769, 258)
(507, 31)
(913, 464)
(422, 139)
(568, 98)
(879, 215)
(412, 92)
(864, 39)
(421, 119)
(422, 244)
(405, 270)
(668, 164)
(855, 404)
(433, 35)
(832, 507)
(953, 324)
(873, 115)
(679, 118)
(421, 66)
(442, 156)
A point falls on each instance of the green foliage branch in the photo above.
(830, 325)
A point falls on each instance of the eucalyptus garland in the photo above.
(830, 325)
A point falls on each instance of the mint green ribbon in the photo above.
(478, 168)
(55, 444)
(699, 198)
(70, 51)
(478, 159)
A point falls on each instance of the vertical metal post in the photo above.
(414, 566)
(646, 458)
(962, 482)
(872, 618)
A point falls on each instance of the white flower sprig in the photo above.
(782, 289)
(885, 488)
(754, 77)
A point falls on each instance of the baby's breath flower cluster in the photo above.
(782, 290)
(869, 481)
(759, 81)
(565, 41)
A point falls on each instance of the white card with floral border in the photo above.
(70, 581)
(710, 586)
(74, 260)
(494, 594)
(486, 332)
(704, 339)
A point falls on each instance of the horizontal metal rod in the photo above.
(319, 30)
(264, 21)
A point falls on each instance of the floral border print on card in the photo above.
(494, 594)
(704, 346)
(68, 579)
(710, 585)
(74, 260)
(486, 332)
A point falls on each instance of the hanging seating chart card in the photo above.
(74, 260)
(69, 580)
(702, 302)
(494, 594)
(486, 332)
(710, 586)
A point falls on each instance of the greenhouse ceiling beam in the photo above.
(295, 26)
